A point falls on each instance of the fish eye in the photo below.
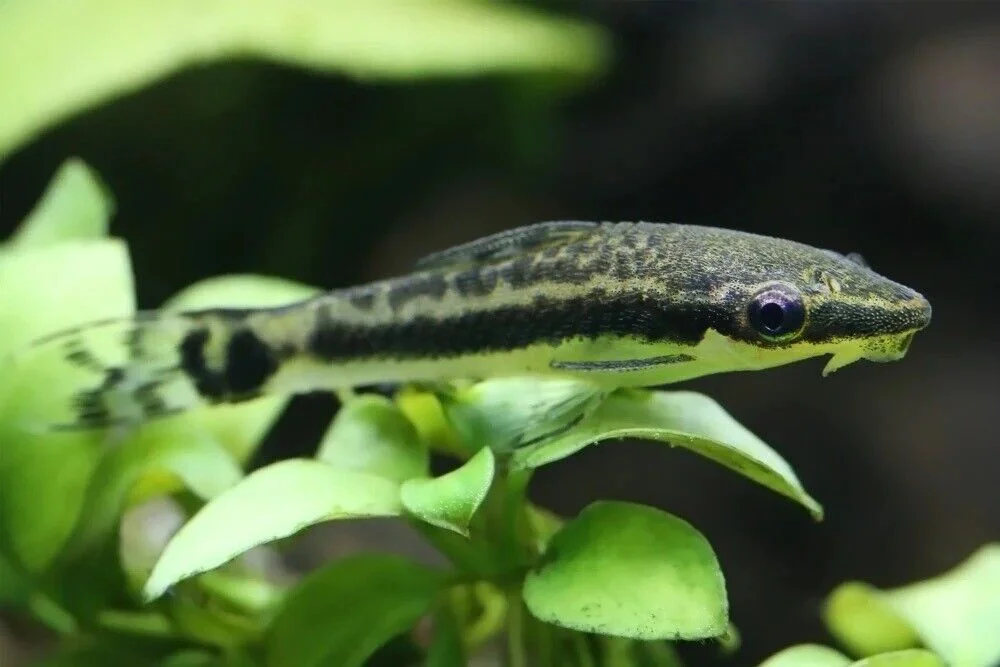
(777, 312)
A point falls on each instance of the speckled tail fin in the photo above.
(112, 373)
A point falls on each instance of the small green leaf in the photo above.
(629, 570)
(76, 205)
(807, 655)
(370, 434)
(865, 623)
(450, 501)
(272, 503)
(907, 658)
(43, 290)
(176, 447)
(340, 614)
(423, 409)
(679, 418)
(508, 412)
(129, 45)
(955, 614)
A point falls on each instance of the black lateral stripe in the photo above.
(513, 327)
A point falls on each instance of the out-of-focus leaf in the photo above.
(240, 428)
(423, 409)
(58, 58)
(679, 418)
(370, 434)
(807, 655)
(450, 501)
(241, 290)
(506, 413)
(44, 290)
(956, 614)
(76, 205)
(629, 570)
(188, 455)
(865, 623)
(906, 658)
(340, 614)
(272, 503)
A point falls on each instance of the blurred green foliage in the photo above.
(59, 58)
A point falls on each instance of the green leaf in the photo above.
(865, 623)
(509, 412)
(679, 418)
(241, 290)
(955, 614)
(450, 501)
(370, 434)
(76, 205)
(240, 427)
(44, 290)
(272, 503)
(58, 59)
(906, 658)
(633, 571)
(340, 614)
(176, 447)
(807, 655)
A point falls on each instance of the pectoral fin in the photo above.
(621, 365)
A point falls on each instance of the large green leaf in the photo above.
(451, 500)
(509, 412)
(43, 290)
(371, 434)
(957, 614)
(272, 503)
(340, 614)
(680, 418)
(76, 205)
(57, 58)
(177, 448)
(629, 570)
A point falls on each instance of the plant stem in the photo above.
(517, 655)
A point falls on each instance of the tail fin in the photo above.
(108, 374)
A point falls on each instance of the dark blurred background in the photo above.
(866, 126)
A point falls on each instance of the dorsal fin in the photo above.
(506, 244)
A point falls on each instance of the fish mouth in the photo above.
(891, 346)
(920, 313)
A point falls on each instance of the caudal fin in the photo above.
(113, 373)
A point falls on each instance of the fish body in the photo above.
(620, 304)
